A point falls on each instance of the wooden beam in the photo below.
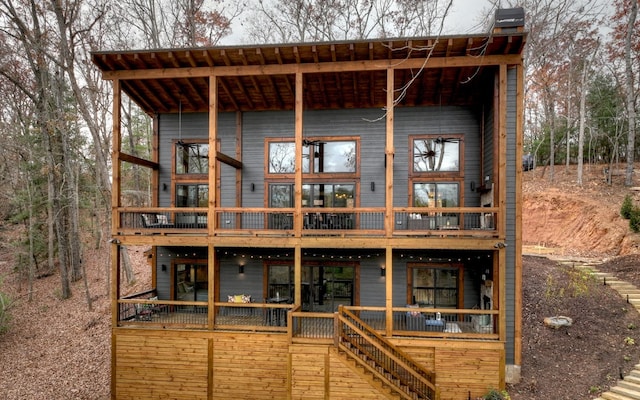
(115, 156)
(228, 160)
(213, 153)
(389, 154)
(138, 161)
(298, 127)
(340, 66)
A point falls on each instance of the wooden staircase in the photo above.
(629, 387)
(394, 373)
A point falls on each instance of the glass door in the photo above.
(324, 287)
(190, 282)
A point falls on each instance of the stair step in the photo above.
(630, 385)
(620, 284)
(633, 379)
(629, 393)
(614, 396)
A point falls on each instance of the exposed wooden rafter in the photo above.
(345, 74)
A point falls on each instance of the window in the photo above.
(324, 285)
(192, 195)
(190, 173)
(328, 195)
(280, 281)
(436, 154)
(281, 195)
(436, 172)
(190, 280)
(313, 195)
(332, 156)
(319, 156)
(440, 194)
(435, 285)
(192, 158)
(282, 158)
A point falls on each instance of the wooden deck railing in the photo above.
(414, 322)
(382, 359)
(407, 221)
(143, 310)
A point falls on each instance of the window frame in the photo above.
(313, 175)
(412, 266)
(436, 177)
(174, 158)
(186, 179)
(268, 264)
(437, 174)
(189, 183)
(412, 195)
(195, 263)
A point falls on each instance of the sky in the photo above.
(464, 17)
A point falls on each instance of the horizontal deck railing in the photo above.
(252, 316)
(141, 310)
(162, 220)
(423, 322)
(165, 313)
(407, 221)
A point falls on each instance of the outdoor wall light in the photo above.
(164, 187)
(383, 271)
(373, 186)
(164, 267)
(473, 186)
(253, 187)
(241, 269)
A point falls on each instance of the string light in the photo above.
(350, 256)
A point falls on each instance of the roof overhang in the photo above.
(346, 74)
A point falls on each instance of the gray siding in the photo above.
(512, 192)
(366, 124)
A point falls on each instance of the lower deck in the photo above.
(160, 364)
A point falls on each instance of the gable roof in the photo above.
(345, 74)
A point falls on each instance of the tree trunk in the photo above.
(126, 265)
(583, 97)
(630, 95)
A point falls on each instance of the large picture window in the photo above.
(319, 156)
(438, 194)
(192, 195)
(432, 154)
(192, 158)
(435, 285)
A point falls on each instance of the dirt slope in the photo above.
(573, 220)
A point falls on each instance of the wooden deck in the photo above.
(160, 364)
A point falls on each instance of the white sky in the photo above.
(464, 17)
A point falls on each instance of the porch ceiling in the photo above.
(249, 77)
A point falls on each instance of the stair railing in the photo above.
(382, 359)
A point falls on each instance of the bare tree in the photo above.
(553, 27)
(321, 20)
(173, 23)
(630, 93)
